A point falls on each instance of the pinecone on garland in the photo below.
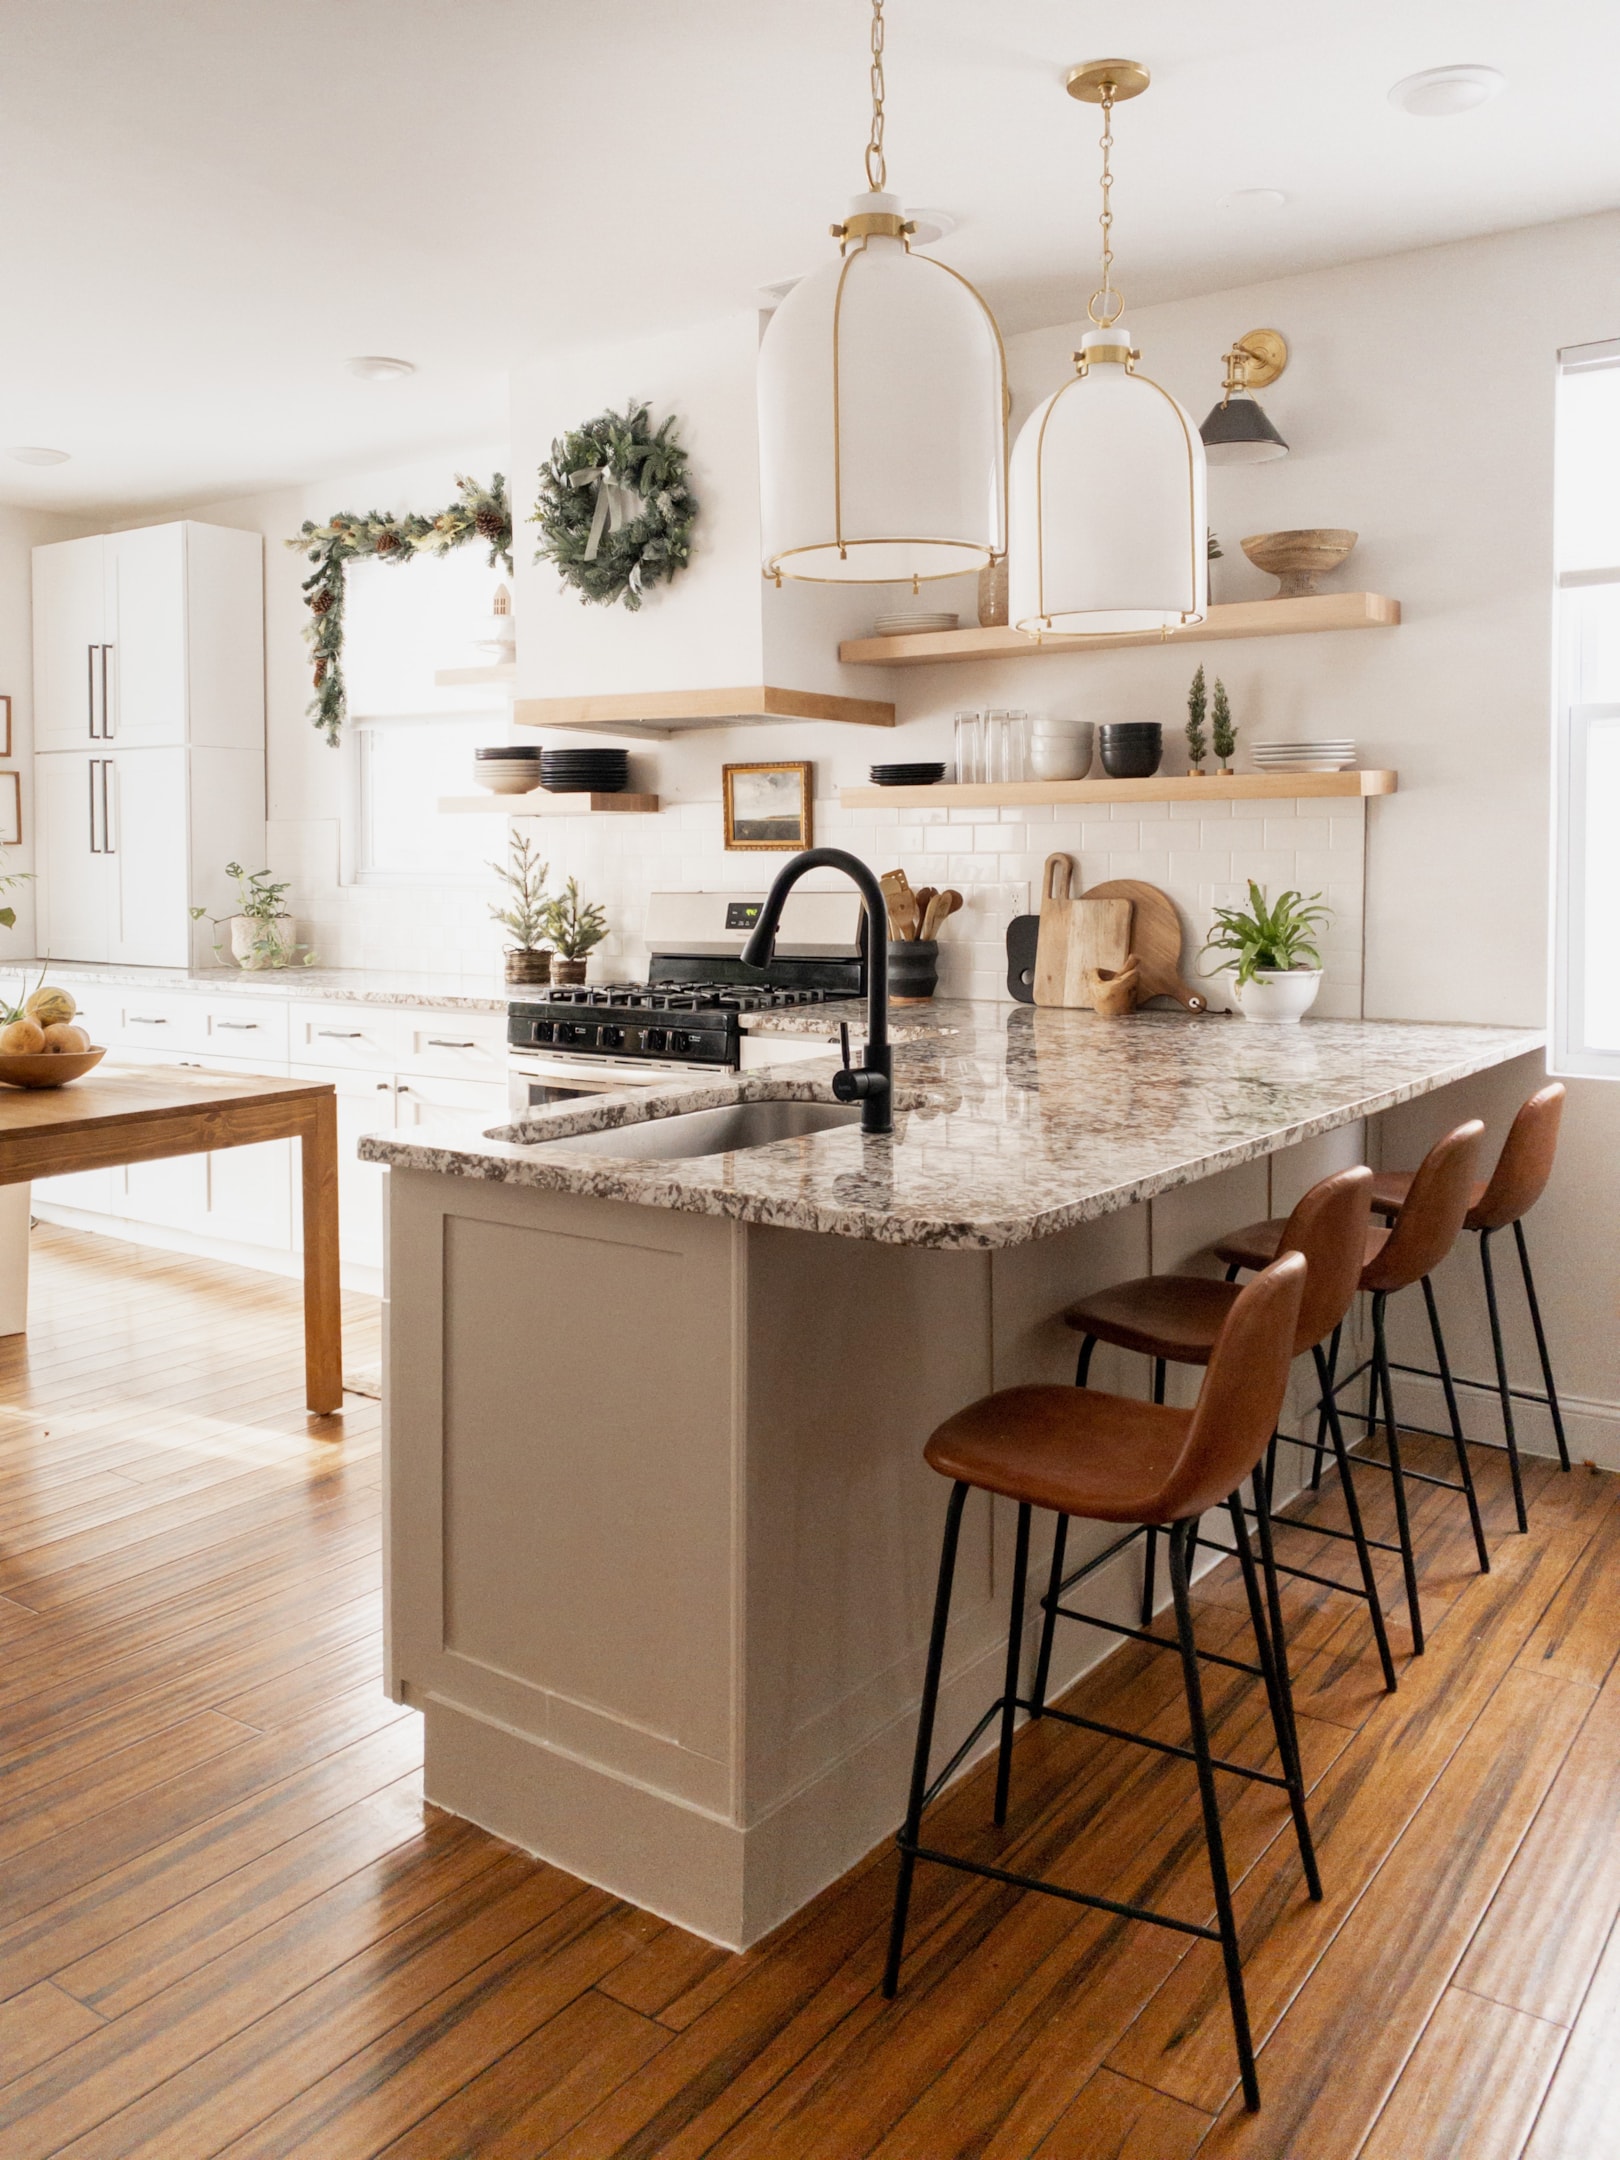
(320, 603)
(320, 670)
(490, 524)
(387, 542)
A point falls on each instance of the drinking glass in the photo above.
(970, 748)
(1015, 746)
(995, 732)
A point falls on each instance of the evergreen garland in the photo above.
(478, 513)
(614, 510)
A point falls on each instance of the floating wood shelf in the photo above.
(1162, 787)
(455, 678)
(1242, 619)
(538, 802)
(660, 713)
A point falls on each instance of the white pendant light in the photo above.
(882, 406)
(1107, 524)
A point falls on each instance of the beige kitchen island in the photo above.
(660, 1541)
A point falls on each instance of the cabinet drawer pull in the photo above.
(440, 1042)
(245, 1027)
(342, 1034)
(147, 1020)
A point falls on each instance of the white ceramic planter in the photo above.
(256, 943)
(1279, 994)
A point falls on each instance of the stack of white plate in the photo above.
(1327, 754)
(913, 624)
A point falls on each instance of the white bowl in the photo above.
(1063, 757)
(507, 779)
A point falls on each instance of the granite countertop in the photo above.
(1009, 1124)
(365, 986)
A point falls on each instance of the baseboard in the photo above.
(1591, 1427)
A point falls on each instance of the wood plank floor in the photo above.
(229, 1925)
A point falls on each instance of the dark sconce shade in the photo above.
(1237, 432)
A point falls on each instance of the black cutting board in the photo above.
(1023, 935)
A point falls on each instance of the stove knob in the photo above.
(567, 1032)
(681, 1040)
(652, 1039)
(613, 1038)
(542, 1031)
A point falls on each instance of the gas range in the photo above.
(567, 1042)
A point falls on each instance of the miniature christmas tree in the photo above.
(1221, 727)
(1197, 746)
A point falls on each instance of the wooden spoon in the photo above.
(902, 902)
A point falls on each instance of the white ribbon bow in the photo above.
(616, 504)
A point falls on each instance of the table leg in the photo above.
(14, 1201)
(323, 1312)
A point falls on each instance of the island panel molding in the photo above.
(660, 712)
(1158, 787)
(1236, 619)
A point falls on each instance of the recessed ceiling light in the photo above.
(28, 454)
(1439, 93)
(1254, 199)
(377, 367)
(931, 225)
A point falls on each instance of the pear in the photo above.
(22, 1038)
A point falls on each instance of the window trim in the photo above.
(1570, 1054)
(353, 869)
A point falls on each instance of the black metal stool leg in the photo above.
(1509, 1434)
(1269, 1642)
(1082, 1371)
(1541, 1345)
(1015, 1644)
(925, 1735)
(1054, 1589)
(1381, 1382)
(1352, 1508)
(1461, 1445)
(1150, 1538)
(1328, 1397)
(1212, 1816)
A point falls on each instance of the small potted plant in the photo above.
(574, 927)
(1197, 746)
(261, 931)
(527, 905)
(1276, 968)
(1221, 727)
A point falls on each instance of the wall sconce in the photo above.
(1237, 432)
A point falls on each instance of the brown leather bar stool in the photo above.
(1515, 1185)
(1178, 1318)
(1429, 1225)
(1113, 1460)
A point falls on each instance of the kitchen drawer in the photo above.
(471, 1106)
(353, 1038)
(455, 1046)
(254, 1029)
(137, 1021)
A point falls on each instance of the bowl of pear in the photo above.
(40, 1047)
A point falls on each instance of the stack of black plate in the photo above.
(906, 775)
(585, 772)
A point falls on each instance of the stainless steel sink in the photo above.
(712, 1132)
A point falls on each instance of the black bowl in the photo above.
(1121, 729)
(1132, 757)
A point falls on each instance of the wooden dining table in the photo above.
(140, 1113)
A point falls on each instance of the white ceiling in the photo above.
(205, 208)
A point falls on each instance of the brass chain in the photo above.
(1113, 303)
(876, 169)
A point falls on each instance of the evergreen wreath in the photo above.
(478, 513)
(614, 510)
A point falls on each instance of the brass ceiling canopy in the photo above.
(1116, 80)
(1265, 356)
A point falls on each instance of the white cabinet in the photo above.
(365, 1103)
(130, 840)
(151, 638)
(149, 734)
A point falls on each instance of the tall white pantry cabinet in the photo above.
(148, 738)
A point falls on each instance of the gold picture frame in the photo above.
(768, 806)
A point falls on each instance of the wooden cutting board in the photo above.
(1155, 940)
(1077, 935)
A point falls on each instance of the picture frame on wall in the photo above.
(5, 724)
(768, 805)
(10, 808)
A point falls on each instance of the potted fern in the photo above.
(574, 927)
(1272, 952)
(528, 960)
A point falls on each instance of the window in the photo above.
(412, 739)
(1586, 838)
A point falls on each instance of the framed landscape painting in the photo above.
(767, 806)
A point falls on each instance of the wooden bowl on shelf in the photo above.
(46, 1068)
(1298, 559)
